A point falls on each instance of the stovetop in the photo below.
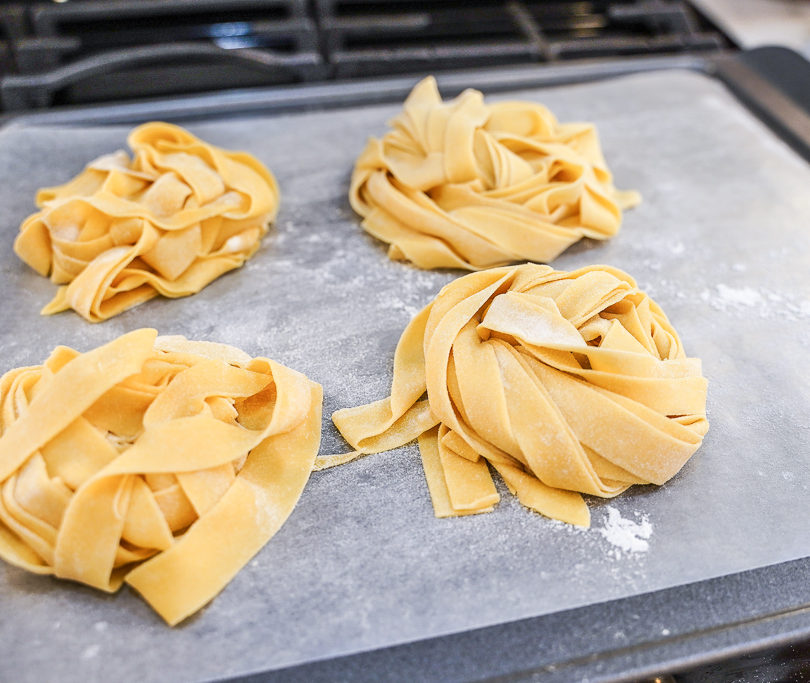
(88, 51)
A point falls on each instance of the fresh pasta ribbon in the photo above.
(169, 221)
(563, 383)
(159, 462)
(465, 184)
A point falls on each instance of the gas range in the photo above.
(87, 51)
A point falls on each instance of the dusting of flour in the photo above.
(626, 535)
(765, 303)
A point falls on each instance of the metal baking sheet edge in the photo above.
(715, 619)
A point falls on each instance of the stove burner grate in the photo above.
(87, 51)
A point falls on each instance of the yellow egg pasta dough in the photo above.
(563, 383)
(168, 221)
(159, 462)
(469, 184)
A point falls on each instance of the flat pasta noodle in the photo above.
(167, 222)
(563, 383)
(159, 462)
(469, 184)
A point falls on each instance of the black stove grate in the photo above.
(85, 51)
(107, 50)
(385, 36)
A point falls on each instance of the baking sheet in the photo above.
(721, 242)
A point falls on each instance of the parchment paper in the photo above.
(721, 241)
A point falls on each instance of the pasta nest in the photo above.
(170, 220)
(564, 382)
(163, 463)
(465, 184)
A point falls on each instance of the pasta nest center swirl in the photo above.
(160, 462)
(576, 378)
(168, 221)
(472, 185)
(563, 383)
